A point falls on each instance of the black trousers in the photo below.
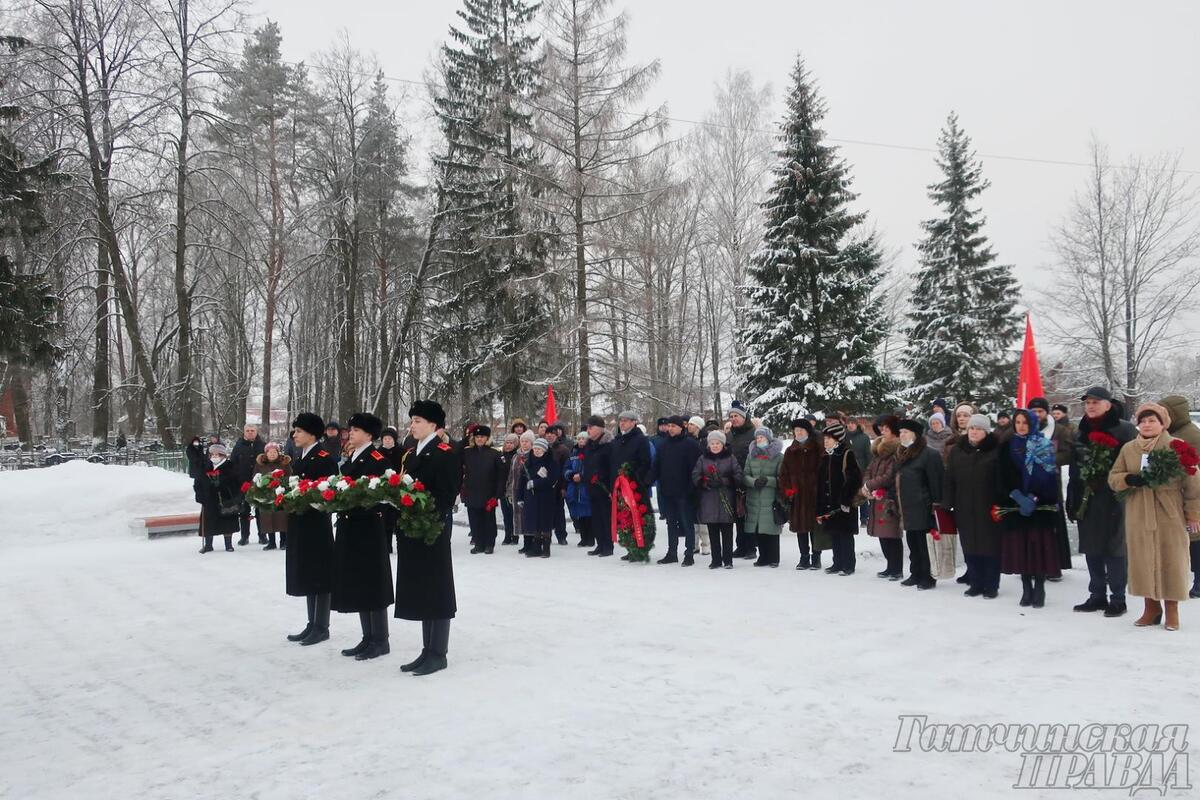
(768, 548)
(601, 522)
(560, 518)
(483, 526)
(807, 540)
(1195, 553)
(983, 572)
(583, 526)
(506, 511)
(720, 536)
(918, 556)
(746, 544)
(843, 551)
(893, 551)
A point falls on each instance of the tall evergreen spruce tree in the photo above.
(961, 325)
(494, 243)
(810, 332)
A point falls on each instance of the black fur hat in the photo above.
(309, 423)
(429, 410)
(481, 430)
(912, 425)
(367, 422)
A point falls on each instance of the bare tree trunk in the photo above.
(101, 370)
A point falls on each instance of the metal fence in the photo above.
(173, 460)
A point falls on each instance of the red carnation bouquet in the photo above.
(1166, 465)
(1098, 460)
(266, 491)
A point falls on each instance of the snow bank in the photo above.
(78, 500)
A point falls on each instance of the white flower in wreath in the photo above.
(294, 480)
(408, 479)
(323, 486)
(261, 480)
(387, 473)
(373, 483)
(342, 486)
(278, 490)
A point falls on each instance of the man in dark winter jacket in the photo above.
(482, 488)
(241, 459)
(1102, 524)
(333, 440)
(673, 464)
(631, 447)
(597, 457)
(740, 438)
(560, 451)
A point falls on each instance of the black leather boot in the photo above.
(364, 619)
(439, 640)
(672, 556)
(1039, 591)
(1026, 590)
(426, 631)
(320, 629)
(379, 645)
(207, 546)
(311, 601)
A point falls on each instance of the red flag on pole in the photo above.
(1029, 383)
(551, 406)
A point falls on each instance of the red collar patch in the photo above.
(322, 454)
(444, 446)
(378, 456)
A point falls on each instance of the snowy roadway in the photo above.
(139, 669)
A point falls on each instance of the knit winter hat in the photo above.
(835, 430)
(1161, 412)
(270, 445)
(542, 443)
(597, 421)
(529, 436)
(763, 430)
(697, 421)
(718, 436)
(736, 407)
(980, 421)
(582, 436)
(939, 416)
(217, 449)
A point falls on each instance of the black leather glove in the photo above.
(1134, 479)
(759, 483)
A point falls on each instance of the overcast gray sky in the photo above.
(1028, 79)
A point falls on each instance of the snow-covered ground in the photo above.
(136, 668)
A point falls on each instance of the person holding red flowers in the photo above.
(1093, 505)
(425, 572)
(362, 577)
(879, 487)
(718, 475)
(483, 483)
(270, 461)
(1158, 478)
(308, 567)
(217, 486)
(798, 491)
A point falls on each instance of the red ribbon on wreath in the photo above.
(624, 489)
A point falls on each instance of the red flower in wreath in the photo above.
(407, 500)
(245, 486)
(394, 479)
(277, 473)
(328, 494)
(272, 485)
(642, 510)
(418, 486)
(278, 499)
(1103, 439)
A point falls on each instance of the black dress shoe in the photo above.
(488, 551)
(415, 663)
(228, 548)
(961, 578)
(926, 585)
(688, 560)
(302, 635)
(990, 594)
(1116, 608)
(832, 570)
(623, 558)
(895, 576)
(208, 548)
(884, 574)
(595, 552)
(911, 580)
(669, 558)
(433, 663)
(728, 566)
(974, 591)
(358, 648)
(242, 542)
(1093, 604)
(605, 554)
(269, 546)
(715, 565)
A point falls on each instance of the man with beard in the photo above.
(1102, 523)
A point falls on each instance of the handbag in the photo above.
(229, 506)
(780, 512)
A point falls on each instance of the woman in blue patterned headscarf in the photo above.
(1028, 496)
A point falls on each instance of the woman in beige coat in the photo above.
(1158, 521)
